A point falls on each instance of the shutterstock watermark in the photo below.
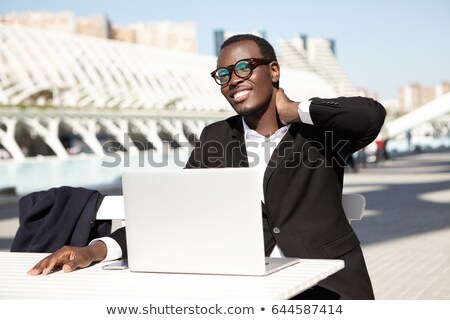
(329, 152)
(136, 150)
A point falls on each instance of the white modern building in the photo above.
(316, 55)
(57, 85)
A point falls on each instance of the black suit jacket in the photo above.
(303, 184)
(57, 217)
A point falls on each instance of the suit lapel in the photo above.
(238, 150)
(279, 155)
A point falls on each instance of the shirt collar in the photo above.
(251, 134)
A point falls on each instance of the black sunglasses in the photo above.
(243, 69)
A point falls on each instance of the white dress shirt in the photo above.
(259, 152)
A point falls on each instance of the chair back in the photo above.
(354, 205)
(112, 208)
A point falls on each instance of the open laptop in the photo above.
(205, 221)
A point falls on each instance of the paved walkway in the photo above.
(405, 233)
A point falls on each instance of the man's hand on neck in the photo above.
(287, 109)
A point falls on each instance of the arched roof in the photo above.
(81, 71)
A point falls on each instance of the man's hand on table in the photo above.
(70, 258)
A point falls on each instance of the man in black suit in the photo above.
(300, 149)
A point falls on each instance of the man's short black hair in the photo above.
(264, 46)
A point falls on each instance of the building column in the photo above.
(7, 138)
(150, 131)
(175, 128)
(87, 133)
(120, 131)
(49, 134)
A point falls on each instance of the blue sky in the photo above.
(382, 45)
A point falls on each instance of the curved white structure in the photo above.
(72, 70)
(64, 69)
(85, 83)
(426, 113)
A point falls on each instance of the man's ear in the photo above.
(275, 73)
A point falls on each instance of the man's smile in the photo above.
(241, 93)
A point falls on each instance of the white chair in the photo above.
(112, 209)
(354, 205)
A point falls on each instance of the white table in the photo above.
(96, 283)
